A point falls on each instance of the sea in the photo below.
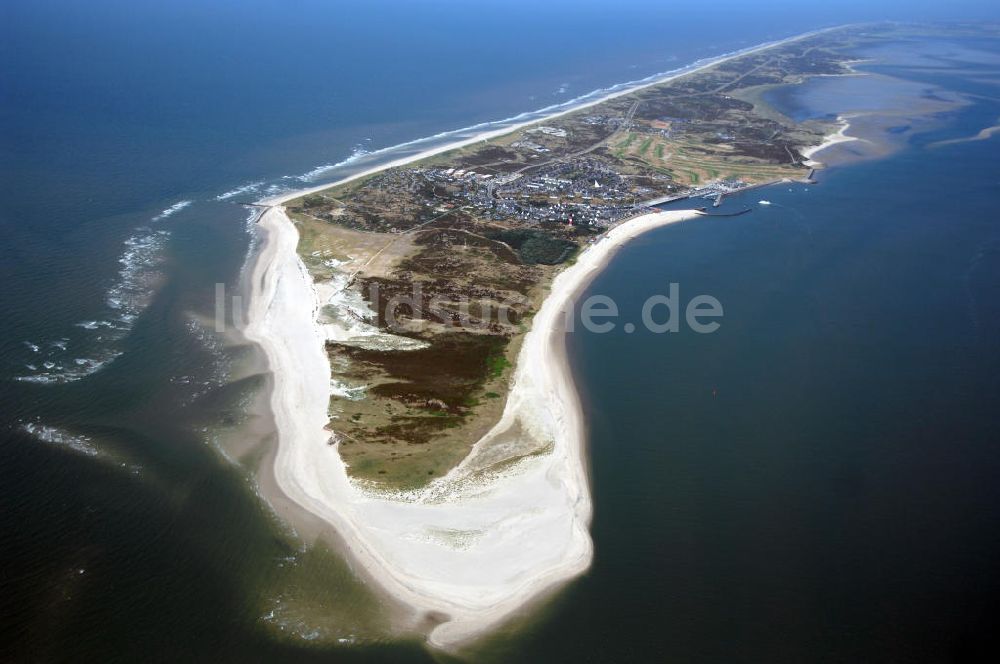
(814, 481)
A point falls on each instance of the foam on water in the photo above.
(357, 153)
(374, 157)
(94, 324)
(67, 370)
(250, 226)
(173, 209)
(80, 444)
(55, 436)
(67, 360)
(278, 189)
(220, 363)
(71, 358)
(137, 278)
(252, 187)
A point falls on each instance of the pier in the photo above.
(705, 213)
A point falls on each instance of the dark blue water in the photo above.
(816, 481)
(130, 528)
(115, 112)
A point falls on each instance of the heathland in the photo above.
(433, 269)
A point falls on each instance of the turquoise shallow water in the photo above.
(835, 485)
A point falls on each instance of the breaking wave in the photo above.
(139, 271)
(381, 155)
(71, 358)
(357, 153)
(251, 188)
(54, 436)
(173, 209)
(80, 444)
(66, 360)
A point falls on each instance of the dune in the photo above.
(473, 546)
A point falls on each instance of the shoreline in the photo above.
(475, 547)
(831, 139)
(279, 199)
(529, 526)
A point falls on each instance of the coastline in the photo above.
(477, 545)
(487, 135)
(520, 533)
(829, 140)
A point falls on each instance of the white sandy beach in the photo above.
(474, 546)
(833, 138)
(476, 549)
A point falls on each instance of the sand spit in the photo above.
(475, 545)
(833, 138)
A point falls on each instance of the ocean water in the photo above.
(816, 480)
(131, 132)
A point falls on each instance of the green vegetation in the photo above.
(497, 365)
(459, 232)
(623, 146)
(534, 247)
(429, 395)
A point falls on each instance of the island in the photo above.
(413, 317)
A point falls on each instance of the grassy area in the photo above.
(497, 365)
(420, 411)
(696, 164)
(423, 409)
(627, 142)
(622, 147)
